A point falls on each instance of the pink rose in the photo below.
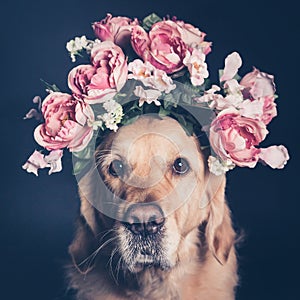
(258, 84)
(106, 76)
(163, 47)
(234, 137)
(114, 29)
(67, 123)
(193, 37)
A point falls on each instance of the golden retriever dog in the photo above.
(159, 228)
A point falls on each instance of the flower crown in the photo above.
(156, 63)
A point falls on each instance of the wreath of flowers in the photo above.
(161, 63)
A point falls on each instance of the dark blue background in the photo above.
(37, 214)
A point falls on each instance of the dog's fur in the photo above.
(194, 255)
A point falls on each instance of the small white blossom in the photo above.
(196, 65)
(79, 44)
(112, 117)
(218, 167)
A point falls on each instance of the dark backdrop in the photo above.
(37, 214)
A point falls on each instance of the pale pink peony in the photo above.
(163, 47)
(115, 29)
(275, 156)
(106, 76)
(91, 84)
(67, 123)
(234, 137)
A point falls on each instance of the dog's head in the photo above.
(158, 192)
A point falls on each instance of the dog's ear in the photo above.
(84, 243)
(220, 235)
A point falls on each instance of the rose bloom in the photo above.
(234, 137)
(163, 46)
(106, 76)
(258, 84)
(261, 86)
(115, 29)
(67, 123)
(193, 37)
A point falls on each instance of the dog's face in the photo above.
(158, 192)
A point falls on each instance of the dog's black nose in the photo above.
(144, 219)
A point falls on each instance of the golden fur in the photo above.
(198, 259)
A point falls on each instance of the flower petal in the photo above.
(275, 156)
(232, 63)
(54, 161)
(35, 162)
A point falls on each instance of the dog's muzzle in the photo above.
(144, 219)
(142, 242)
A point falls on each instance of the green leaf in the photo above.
(86, 153)
(79, 165)
(129, 121)
(150, 20)
(163, 112)
(50, 87)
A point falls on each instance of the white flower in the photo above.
(147, 96)
(140, 70)
(79, 44)
(112, 117)
(218, 167)
(150, 76)
(196, 65)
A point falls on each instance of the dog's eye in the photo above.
(181, 166)
(116, 168)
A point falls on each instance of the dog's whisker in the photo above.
(94, 255)
(118, 267)
(105, 233)
(90, 259)
(110, 262)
